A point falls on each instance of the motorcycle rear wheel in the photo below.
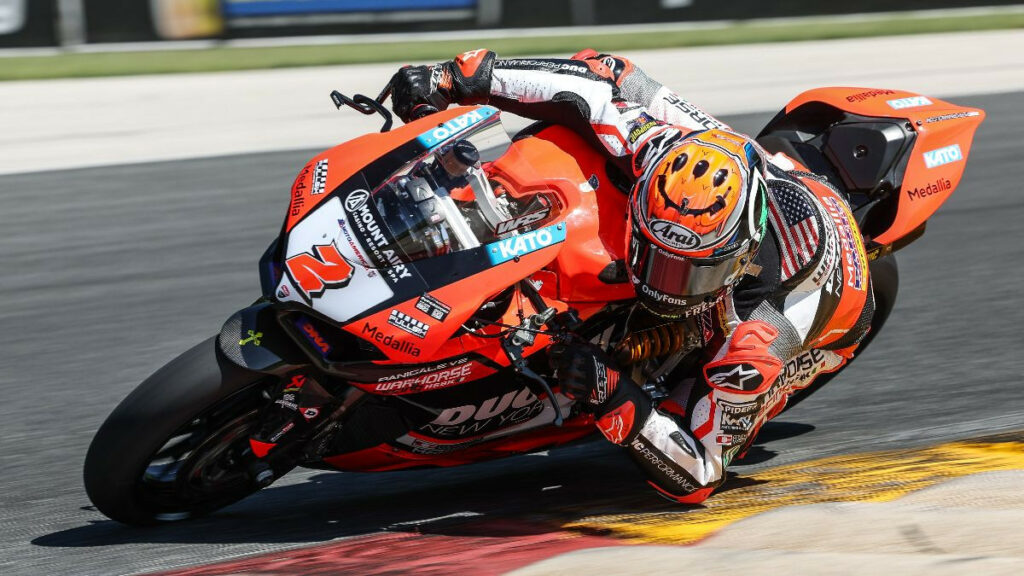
(177, 446)
(885, 285)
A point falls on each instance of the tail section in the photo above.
(897, 155)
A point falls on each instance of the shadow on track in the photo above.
(523, 495)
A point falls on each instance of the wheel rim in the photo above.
(204, 464)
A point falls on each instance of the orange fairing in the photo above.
(327, 170)
(595, 218)
(466, 297)
(936, 163)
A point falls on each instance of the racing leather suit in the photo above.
(800, 316)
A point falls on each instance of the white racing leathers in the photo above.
(801, 316)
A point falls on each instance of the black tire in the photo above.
(885, 285)
(208, 407)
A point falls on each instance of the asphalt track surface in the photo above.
(110, 272)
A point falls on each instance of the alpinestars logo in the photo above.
(742, 377)
(319, 178)
(408, 324)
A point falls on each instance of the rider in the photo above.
(765, 255)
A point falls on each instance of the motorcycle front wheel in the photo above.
(177, 446)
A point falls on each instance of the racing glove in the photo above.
(421, 90)
(586, 374)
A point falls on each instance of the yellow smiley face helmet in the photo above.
(696, 219)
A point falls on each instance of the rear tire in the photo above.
(885, 285)
(177, 446)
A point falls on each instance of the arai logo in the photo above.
(675, 236)
(356, 200)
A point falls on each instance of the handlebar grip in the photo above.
(421, 110)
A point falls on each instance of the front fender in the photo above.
(253, 339)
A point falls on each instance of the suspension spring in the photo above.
(651, 343)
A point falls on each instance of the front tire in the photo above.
(177, 446)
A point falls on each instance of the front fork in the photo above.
(253, 340)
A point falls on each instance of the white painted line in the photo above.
(489, 34)
(75, 123)
(429, 520)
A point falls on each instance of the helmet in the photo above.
(696, 219)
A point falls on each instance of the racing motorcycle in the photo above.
(421, 274)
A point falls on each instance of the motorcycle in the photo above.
(422, 272)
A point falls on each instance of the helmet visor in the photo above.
(675, 281)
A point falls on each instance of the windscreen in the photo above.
(443, 201)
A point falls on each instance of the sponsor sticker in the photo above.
(942, 156)
(374, 334)
(440, 377)
(299, 192)
(940, 185)
(319, 178)
(954, 116)
(694, 113)
(370, 232)
(737, 419)
(457, 125)
(801, 370)
(670, 471)
(910, 102)
(521, 221)
(546, 64)
(313, 335)
(510, 248)
(508, 409)
(639, 126)
(850, 240)
(408, 324)
(433, 307)
(861, 96)
(675, 235)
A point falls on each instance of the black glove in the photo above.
(584, 373)
(414, 92)
(420, 90)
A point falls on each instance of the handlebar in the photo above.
(367, 105)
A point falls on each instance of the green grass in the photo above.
(218, 59)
